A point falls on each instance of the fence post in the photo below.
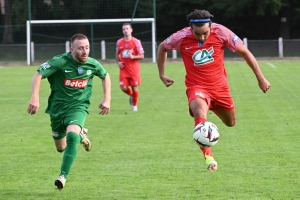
(103, 53)
(280, 47)
(67, 46)
(245, 41)
(174, 54)
(32, 50)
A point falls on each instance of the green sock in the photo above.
(70, 153)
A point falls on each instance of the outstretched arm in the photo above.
(34, 102)
(263, 83)
(105, 103)
(161, 63)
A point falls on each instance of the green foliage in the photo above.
(151, 154)
(237, 15)
(90, 9)
(145, 8)
(20, 12)
(234, 8)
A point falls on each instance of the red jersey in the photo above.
(123, 48)
(204, 63)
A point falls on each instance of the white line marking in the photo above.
(273, 66)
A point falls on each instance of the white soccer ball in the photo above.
(206, 134)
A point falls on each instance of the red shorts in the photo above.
(216, 100)
(126, 80)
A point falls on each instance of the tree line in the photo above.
(254, 19)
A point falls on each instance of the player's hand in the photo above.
(264, 85)
(130, 55)
(33, 106)
(120, 64)
(105, 107)
(166, 80)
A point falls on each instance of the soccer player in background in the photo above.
(202, 46)
(71, 79)
(129, 51)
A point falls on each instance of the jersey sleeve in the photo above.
(139, 47)
(174, 41)
(101, 72)
(118, 46)
(231, 40)
(48, 68)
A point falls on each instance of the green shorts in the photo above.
(60, 123)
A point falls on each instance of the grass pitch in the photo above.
(150, 154)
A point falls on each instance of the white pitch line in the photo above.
(273, 66)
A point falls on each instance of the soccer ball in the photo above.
(206, 134)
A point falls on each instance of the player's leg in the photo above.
(124, 86)
(224, 108)
(228, 117)
(60, 144)
(134, 82)
(126, 90)
(73, 140)
(59, 137)
(135, 97)
(199, 109)
(58, 134)
(73, 122)
(199, 104)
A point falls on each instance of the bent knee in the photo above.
(229, 123)
(123, 88)
(60, 150)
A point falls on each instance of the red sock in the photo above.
(128, 91)
(135, 97)
(205, 150)
(199, 120)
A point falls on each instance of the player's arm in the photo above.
(161, 63)
(34, 102)
(105, 103)
(117, 57)
(137, 57)
(252, 62)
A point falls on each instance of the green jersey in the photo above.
(70, 82)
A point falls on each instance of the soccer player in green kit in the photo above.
(71, 79)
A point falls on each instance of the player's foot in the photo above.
(130, 100)
(85, 140)
(60, 182)
(134, 108)
(211, 163)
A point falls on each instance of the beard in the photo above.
(81, 58)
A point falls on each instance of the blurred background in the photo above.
(270, 28)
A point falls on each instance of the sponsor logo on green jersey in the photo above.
(76, 83)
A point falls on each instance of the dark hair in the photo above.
(77, 37)
(199, 14)
(127, 23)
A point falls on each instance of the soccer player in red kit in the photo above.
(202, 48)
(129, 51)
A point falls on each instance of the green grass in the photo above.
(151, 154)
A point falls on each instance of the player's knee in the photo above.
(72, 137)
(60, 146)
(230, 123)
(124, 89)
(60, 150)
